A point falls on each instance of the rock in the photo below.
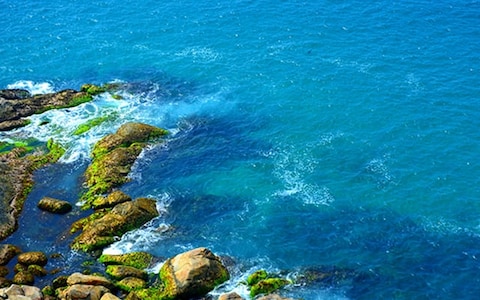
(84, 291)
(23, 278)
(192, 274)
(12, 94)
(230, 296)
(139, 260)
(16, 180)
(37, 270)
(54, 205)
(273, 297)
(91, 280)
(60, 282)
(267, 286)
(114, 198)
(4, 282)
(121, 219)
(4, 271)
(33, 258)
(131, 283)
(109, 296)
(113, 157)
(7, 252)
(32, 292)
(118, 272)
(17, 108)
(125, 136)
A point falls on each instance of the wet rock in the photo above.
(12, 94)
(32, 258)
(131, 283)
(7, 252)
(192, 274)
(113, 157)
(109, 296)
(23, 278)
(55, 206)
(125, 136)
(90, 280)
(139, 260)
(4, 282)
(4, 271)
(230, 296)
(114, 198)
(83, 292)
(273, 297)
(122, 218)
(118, 272)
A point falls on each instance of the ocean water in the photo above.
(304, 135)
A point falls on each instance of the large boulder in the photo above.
(192, 274)
(15, 291)
(122, 218)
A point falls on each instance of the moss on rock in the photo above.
(139, 260)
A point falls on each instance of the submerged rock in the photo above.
(55, 206)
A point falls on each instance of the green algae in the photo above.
(139, 260)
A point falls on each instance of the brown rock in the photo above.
(54, 205)
(192, 274)
(230, 296)
(33, 258)
(7, 252)
(24, 278)
(273, 297)
(122, 218)
(118, 272)
(109, 296)
(114, 198)
(83, 292)
(81, 279)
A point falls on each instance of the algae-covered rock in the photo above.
(192, 274)
(125, 136)
(118, 272)
(7, 252)
(113, 157)
(114, 198)
(23, 278)
(121, 219)
(256, 277)
(32, 258)
(267, 286)
(131, 283)
(55, 206)
(139, 260)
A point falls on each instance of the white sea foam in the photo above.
(293, 168)
(33, 87)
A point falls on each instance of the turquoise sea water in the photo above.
(303, 134)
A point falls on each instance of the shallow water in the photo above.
(303, 134)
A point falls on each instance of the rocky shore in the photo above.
(189, 275)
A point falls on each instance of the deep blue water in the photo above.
(303, 134)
